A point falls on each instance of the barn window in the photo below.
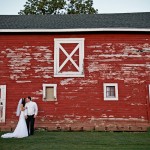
(69, 57)
(50, 92)
(110, 91)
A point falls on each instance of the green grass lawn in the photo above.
(43, 140)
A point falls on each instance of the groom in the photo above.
(31, 111)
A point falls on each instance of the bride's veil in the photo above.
(18, 107)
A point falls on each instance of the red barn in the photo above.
(85, 72)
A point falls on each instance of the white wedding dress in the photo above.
(21, 129)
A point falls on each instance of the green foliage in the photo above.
(81, 7)
(43, 7)
(43, 140)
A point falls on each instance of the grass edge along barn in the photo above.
(85, 72)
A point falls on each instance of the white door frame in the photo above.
(3, 103)
(149, 93)
(58, 47)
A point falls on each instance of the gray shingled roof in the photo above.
(123, 20)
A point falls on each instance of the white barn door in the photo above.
(2, 103)
(69, 57)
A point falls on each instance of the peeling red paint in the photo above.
(27, 61)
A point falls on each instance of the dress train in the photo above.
(21, 129)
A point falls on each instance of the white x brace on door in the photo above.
(77, 50)
(2, 102)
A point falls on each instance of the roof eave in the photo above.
(77, 30)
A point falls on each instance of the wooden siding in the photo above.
(27, 62)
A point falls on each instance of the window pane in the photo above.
(49, 93)
(110, 91)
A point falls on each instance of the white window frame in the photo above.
(3, 100)
(57, 47)
(55, 91)
(106, 98)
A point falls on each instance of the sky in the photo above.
(12, 7)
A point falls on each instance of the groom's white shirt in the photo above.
(31, 108)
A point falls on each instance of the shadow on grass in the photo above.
(79, 141)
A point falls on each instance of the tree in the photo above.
(81, 7)
(58, 7)
(43, 7)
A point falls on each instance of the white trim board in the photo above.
(79, 30)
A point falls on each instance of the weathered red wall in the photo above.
(27, 61)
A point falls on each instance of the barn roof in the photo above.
(74, 23)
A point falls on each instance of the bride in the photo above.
(21, 128)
